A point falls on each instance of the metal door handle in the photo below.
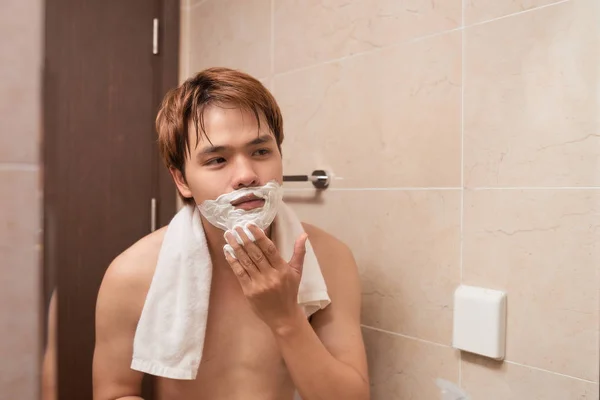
(153, 214)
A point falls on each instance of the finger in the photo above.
(241, 255)
(266, 246)
(237, 268)
(297, 261)
(254, 252)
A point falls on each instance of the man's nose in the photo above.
(245, 175)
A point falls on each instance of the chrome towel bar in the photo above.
(319, 179)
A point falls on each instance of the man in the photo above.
(221, 131)
(49, 384)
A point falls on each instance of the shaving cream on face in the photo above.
(225, 216)
(222, 214)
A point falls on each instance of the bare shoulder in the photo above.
(128, 277)
(334, 256)
(118, 309)
(338, 324)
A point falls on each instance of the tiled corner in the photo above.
(312, 32)
(20, 234)
(230, 33)
(268, 83)
(492, 380)
(20, 80)
(385, 119)
(542, 247)
(406, 244)
(477, 11)
(20, 278)
(402, 368)
(184, 44)
(195, 3)
(531, 99)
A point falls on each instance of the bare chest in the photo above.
(240, 360)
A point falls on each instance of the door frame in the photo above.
(169, 13)
(166, 74)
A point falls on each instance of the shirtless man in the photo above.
(259, 345)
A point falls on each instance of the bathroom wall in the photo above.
(21, 50)
(464, 138)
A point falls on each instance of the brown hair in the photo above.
(213, 86)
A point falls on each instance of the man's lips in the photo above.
(248, 202)
(251, 204)
(244, 199)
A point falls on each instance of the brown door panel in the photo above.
(101, 169)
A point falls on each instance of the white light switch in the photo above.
(480, 321)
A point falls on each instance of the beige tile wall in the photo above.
(20, 197)
(464, 139)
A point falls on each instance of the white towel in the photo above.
(169, 338)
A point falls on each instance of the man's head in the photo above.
(220, 131)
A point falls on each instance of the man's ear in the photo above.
(181, 183)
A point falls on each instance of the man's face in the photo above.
(240, 156)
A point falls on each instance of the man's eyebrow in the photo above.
(260, 140)
(217, 149)
(212, 149)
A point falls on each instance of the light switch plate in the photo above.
(480, 321)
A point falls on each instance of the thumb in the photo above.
(297, 261)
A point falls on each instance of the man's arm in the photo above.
(117, 312)
(49, 363)
(329, 362)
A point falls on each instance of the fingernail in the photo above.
(228, 249)
(248, 233)
(228, 233)
(237, 237)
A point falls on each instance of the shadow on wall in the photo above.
(304, 197)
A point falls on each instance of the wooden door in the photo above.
(103, 84)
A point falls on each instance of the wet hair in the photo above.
(222, 87)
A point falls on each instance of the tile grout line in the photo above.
(462, 164)
(190, 6)
(536, 188)
(414, 40)
(272, 49)
(517, 13)
(450, 347)
(462, 142)
(188, 45)
(370, 189)
(361, 53)
(405, 336)
(425, 189)
(19, 167)
(550, 372)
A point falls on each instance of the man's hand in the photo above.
(268, 281)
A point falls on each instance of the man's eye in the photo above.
(215, 161)
(262, 152)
